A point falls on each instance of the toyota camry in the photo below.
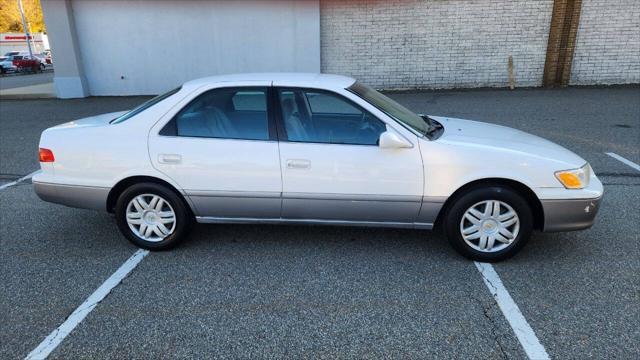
(313, 149)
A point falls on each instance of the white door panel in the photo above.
(219, 164)
(218, 146)
(350, 182)
(223, 177)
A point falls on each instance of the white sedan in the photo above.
(6, 64)
(313, 149)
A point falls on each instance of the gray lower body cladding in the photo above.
(569, 215)
(306, 208)
(333, 209)
(84, 197)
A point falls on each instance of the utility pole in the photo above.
(33, 41)
(26, 30)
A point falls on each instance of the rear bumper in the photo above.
(86, 197)
(569, 214)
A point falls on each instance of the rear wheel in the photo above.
(152, 216)
(489, 223)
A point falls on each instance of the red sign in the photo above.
(10, 37)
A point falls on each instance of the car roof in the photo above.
(316, 80)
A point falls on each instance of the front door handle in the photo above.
(298, 164)
(170, 158)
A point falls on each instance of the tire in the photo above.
(154, 222)
(470, 209)
(42, 67)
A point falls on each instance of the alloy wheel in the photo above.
(150, 217)
(489, 226)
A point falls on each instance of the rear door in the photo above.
(220, 147)
(332, 167)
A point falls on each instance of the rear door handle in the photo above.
(298, 164)
(170, 158)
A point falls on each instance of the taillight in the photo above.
(46, 155)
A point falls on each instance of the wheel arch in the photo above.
(123, 184)
(520, 188)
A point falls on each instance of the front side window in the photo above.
(390, 107)
(322, 117)
(227, 113)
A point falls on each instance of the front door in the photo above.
(221, 149)
(332, 167)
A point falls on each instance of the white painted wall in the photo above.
(435, 43)
(69, 80)
(156, 45)
(608, 43)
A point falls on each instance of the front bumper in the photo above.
(569, 214)
(86, 197)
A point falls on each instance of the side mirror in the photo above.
(390, 140)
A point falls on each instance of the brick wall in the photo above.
(466, 43)
(608, 43)
(435, 43)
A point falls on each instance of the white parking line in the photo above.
(26, 177)
(55, 338)
(626, 161)
(525, 334)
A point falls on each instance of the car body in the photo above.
(25, 62)
(42, 59)
(47, 56)
(19, 56)
(314, 149)
(6, 64)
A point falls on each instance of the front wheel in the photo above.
(152, 216)
(489, 223)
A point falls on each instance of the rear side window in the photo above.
(226, 113)
(249, 101)
(142, 107)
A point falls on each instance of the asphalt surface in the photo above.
(22, 121)
(298, 291)
(10, 81)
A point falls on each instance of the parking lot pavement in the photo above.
(588, 121)
(11, 81)
(579, 290)
(52, 258)
(248, 291)
(294, 291)
(22, 121)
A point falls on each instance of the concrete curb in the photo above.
(27, 96)
(39, 91)
(15, 73)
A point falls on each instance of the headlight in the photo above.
(576, 178)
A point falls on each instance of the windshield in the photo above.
(391, 108)
(142, 107)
